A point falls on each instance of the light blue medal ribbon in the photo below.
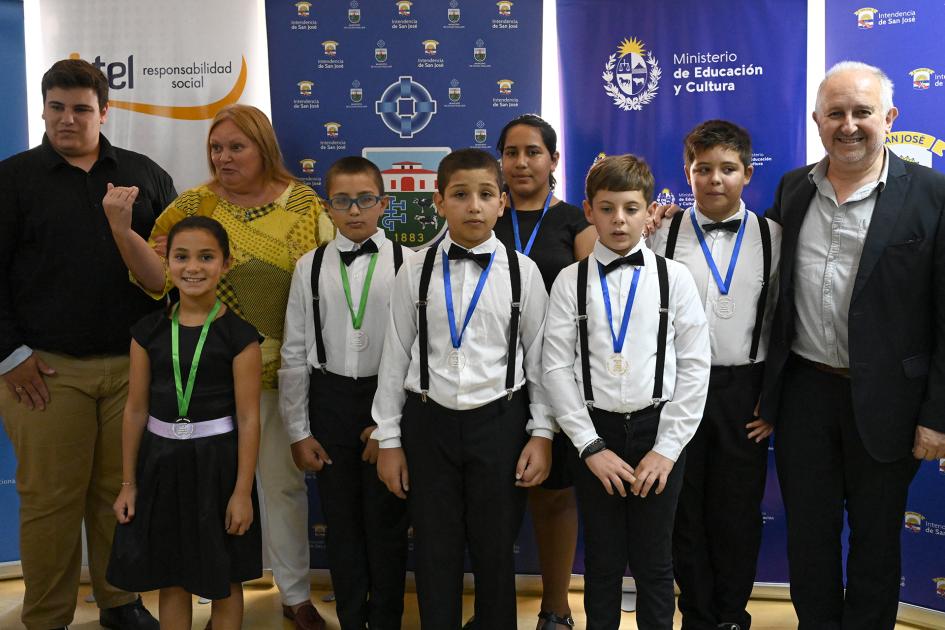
(620, 337)
(457, 339)
(515, 231)
(726, 284)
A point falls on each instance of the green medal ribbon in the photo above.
(183, 396)
(356, 319)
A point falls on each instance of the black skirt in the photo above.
(177, 536)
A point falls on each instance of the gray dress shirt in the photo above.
(828, 256)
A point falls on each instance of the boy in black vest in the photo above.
(626, 361)
(733, 257)
(335, 325)
(462, 346)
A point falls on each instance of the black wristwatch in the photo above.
(594, 447)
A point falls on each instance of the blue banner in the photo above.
(13, 139)
(904, 39)
(401, 83)
(14, 136)
(637, 76)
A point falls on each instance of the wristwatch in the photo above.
(594, 447)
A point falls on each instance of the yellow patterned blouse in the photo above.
(265, 243)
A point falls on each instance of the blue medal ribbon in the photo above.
(448, 291)
(726, 284)
(531, 240)
(621, 337)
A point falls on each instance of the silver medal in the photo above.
(183, 429)
(358, 340)
(725, 307)
(617, 364)
(456, 360)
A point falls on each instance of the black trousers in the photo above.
(718, 520)
(366, 537)
(822, 468)
(463, 493)
(632, 531)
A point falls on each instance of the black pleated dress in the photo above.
(177, 536)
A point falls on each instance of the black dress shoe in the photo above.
(133, 616)
(550, 620)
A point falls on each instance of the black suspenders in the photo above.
(673, 234)
(398, 256)
(425, 274)
(766, 255)
(582, 332)
(319, 342)
(763, 296)
(515, 277)
(316, 271)
(516, 281)
(663, 277)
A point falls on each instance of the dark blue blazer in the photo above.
(897, 311)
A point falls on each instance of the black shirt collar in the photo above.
(53, 159)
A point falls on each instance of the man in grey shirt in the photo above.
(855, 374)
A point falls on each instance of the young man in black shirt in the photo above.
(66, 306)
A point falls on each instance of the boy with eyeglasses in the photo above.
(335, 324)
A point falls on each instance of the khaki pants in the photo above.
(68, 469)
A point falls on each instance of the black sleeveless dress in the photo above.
(177, 536)
(553, 249)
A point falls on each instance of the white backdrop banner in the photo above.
(171, 66)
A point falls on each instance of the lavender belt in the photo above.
(185, 430)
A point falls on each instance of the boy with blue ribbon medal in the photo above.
(718, 522)
(458, 431)
(335, 325)
(628, 394)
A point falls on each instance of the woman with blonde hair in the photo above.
(272, 219)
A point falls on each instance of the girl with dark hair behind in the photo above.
(554, 234)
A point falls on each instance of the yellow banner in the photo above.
(919, 139)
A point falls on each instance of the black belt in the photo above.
(822, 367)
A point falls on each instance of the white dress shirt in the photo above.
(485, 342)
(730, 337)
(686, 370)
(829, 247)
(299, 354)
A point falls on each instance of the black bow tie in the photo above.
(458, 253)
(636, 258)
(732, 226)
(369, 247)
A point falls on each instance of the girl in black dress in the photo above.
(187, 502)
(554, 234)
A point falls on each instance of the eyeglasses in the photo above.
(343, 203)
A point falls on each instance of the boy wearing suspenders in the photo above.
(459, 395)
(335, 326)
(626, 362)
(733, 257)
